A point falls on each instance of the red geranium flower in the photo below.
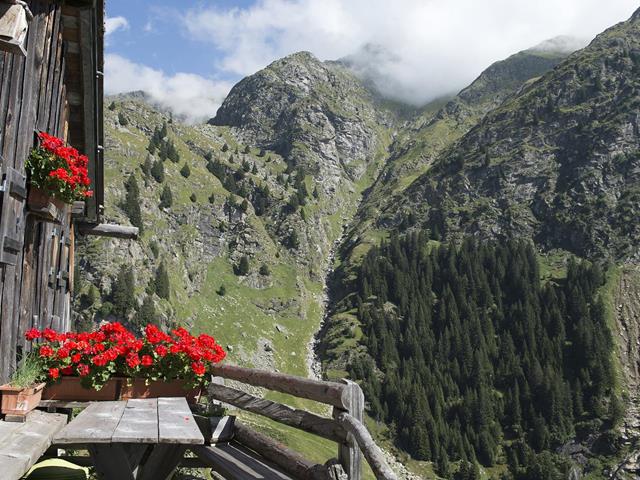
(146, 361)
(161, 350)
(32, 334)
(46, 351)
(133, 360)
(83, 369)
(54, 373)
(198, 368)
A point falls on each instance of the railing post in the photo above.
(349, 454)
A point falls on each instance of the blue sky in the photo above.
(155, 38)
(187, 54)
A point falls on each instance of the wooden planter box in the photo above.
(20, 401)
(70, 389)
(138, 388)
(44, 206)
(119, 388)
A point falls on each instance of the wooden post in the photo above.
(349, 454)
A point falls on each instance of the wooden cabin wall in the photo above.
(35, 292)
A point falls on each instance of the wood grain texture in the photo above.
(368, 446)
(349, 454)
(95, 424)
(235, 463)
(108, 230)
(303, 420)
(288, 460)
(25, 445)
(138, 423)
(332, 393)
(176, 423)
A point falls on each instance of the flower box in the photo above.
(44, 206)
(70, 389)
(112, 363)
(20, 401)
(141, 388)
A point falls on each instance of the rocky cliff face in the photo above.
(558, 162)
(317, 115)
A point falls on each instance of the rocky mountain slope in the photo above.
(558, 162)
(304, 157)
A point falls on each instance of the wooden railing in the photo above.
(346, 428)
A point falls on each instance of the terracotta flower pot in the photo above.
(70, 388)
(139, 388)
(45, 206)
(20, 401)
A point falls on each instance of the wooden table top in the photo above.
(146, 421)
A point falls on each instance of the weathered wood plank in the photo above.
(332, 393)
(303, 420)
(6, 429)
(106, 230)
(286, 459)
(176, 423)
(139, 422)
(368, 446)
(234, 462)
(27, 443)
(95, 424)
(349, 453)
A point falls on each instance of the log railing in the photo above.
(345, 428)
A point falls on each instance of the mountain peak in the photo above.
(636, 16)
(561, 44)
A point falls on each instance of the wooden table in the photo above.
(140, 439)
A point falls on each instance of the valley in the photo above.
(473, 263)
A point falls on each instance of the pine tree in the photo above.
(132, 202)
(193, 197)
(166, 197)
(112, 106)
(225, 148)
(243, 266)
(212, 199)
(247, 150)
(162, 282)
(122, 292)
(147, 313)
(157, 171)
(122, 119)
(185, 171)
(172, 153)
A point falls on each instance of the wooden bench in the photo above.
(22, 444)
(234, 462)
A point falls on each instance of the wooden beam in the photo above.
(108, 230)
(331, 393)
(290, 461)
(368, 446)
(303, 420)
(349, 454)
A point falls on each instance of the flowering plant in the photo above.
(113, 350)
(59, 169)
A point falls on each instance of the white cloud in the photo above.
(113, 24)
(434, 46)
(190, 96)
